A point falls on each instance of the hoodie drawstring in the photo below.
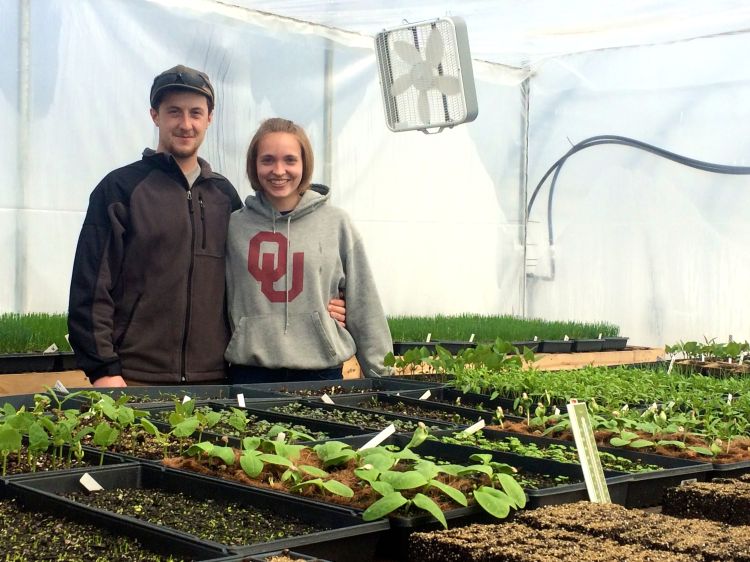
(286, 277)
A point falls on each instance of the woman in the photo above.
(288, 253)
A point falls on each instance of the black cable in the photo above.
(626, 141)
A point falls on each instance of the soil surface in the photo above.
(723, 499)
(26, 536)
(584, 531)
(415, 411)
(738, 450)
(21, 463)
(208, 519)
(359, 418)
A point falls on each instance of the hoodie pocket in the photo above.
(261, 341)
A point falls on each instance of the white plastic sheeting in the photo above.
(645, 243)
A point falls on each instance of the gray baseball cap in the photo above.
(183, 78)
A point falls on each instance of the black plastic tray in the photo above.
(555, 346)
(168, 393)
(615, 343)
(360, 402)
(264, 557)
(266, 405)
(36, 362)
(152, 537)
(381, 384)
(334, 430)
(531, 344)
(345, 526)
(646, 488)
(470, 399)
(617, 482)
(729, 470)
(588, 345)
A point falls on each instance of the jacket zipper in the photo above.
(183, 376)
(203, 220)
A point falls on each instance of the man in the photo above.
(147, 295)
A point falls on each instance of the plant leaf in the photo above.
(513, 489)
(251, 464)
(336, 487)
(493, 501)
(423, 502)
(385, 505)
(454, 494)
(403, 480)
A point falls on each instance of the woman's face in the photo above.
(280, 168)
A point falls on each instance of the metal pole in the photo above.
(328, 114)
(524, 187)
(24, 121)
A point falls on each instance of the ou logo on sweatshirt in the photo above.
(268, 267)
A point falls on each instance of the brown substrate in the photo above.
(586, 532)
(725, 499)
(738, 450)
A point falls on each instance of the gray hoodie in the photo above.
(282, 270)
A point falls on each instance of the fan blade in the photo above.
(407, 52)
(434, 50)
(423, 107)
(448, 85)
(401, 84)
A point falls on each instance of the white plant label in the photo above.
(67, 339)
(379, 438)
(471, 339)
(566, 338)
(88, 482)
(729, 399)
(588, 454)
(671, 363)
(429, 337)
(281, 436)
(426, 395)
(536, 338)
(600, 335)
(327, 399)
(186, 398)
(51, 349)
(473, 428)
(241, 400)
(60, 387)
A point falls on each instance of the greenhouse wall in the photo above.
(637, 240)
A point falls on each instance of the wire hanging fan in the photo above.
(426, 75)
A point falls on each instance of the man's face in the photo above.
(182, 118)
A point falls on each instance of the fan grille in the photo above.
(402, 106)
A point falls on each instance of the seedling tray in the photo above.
(588, 345)
(160, 395)
(531, 344)
(646, 488)
(617, 481)
(555, 346)
(729, 469)
(615, 343)
(382, 384)
(471, 414)
(345, 528)
(291, 554)
(334, 430)
(471, 399)
(29, 492)
(317, 404)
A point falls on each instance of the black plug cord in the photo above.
(626, 141)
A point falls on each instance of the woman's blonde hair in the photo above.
(279, 125)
